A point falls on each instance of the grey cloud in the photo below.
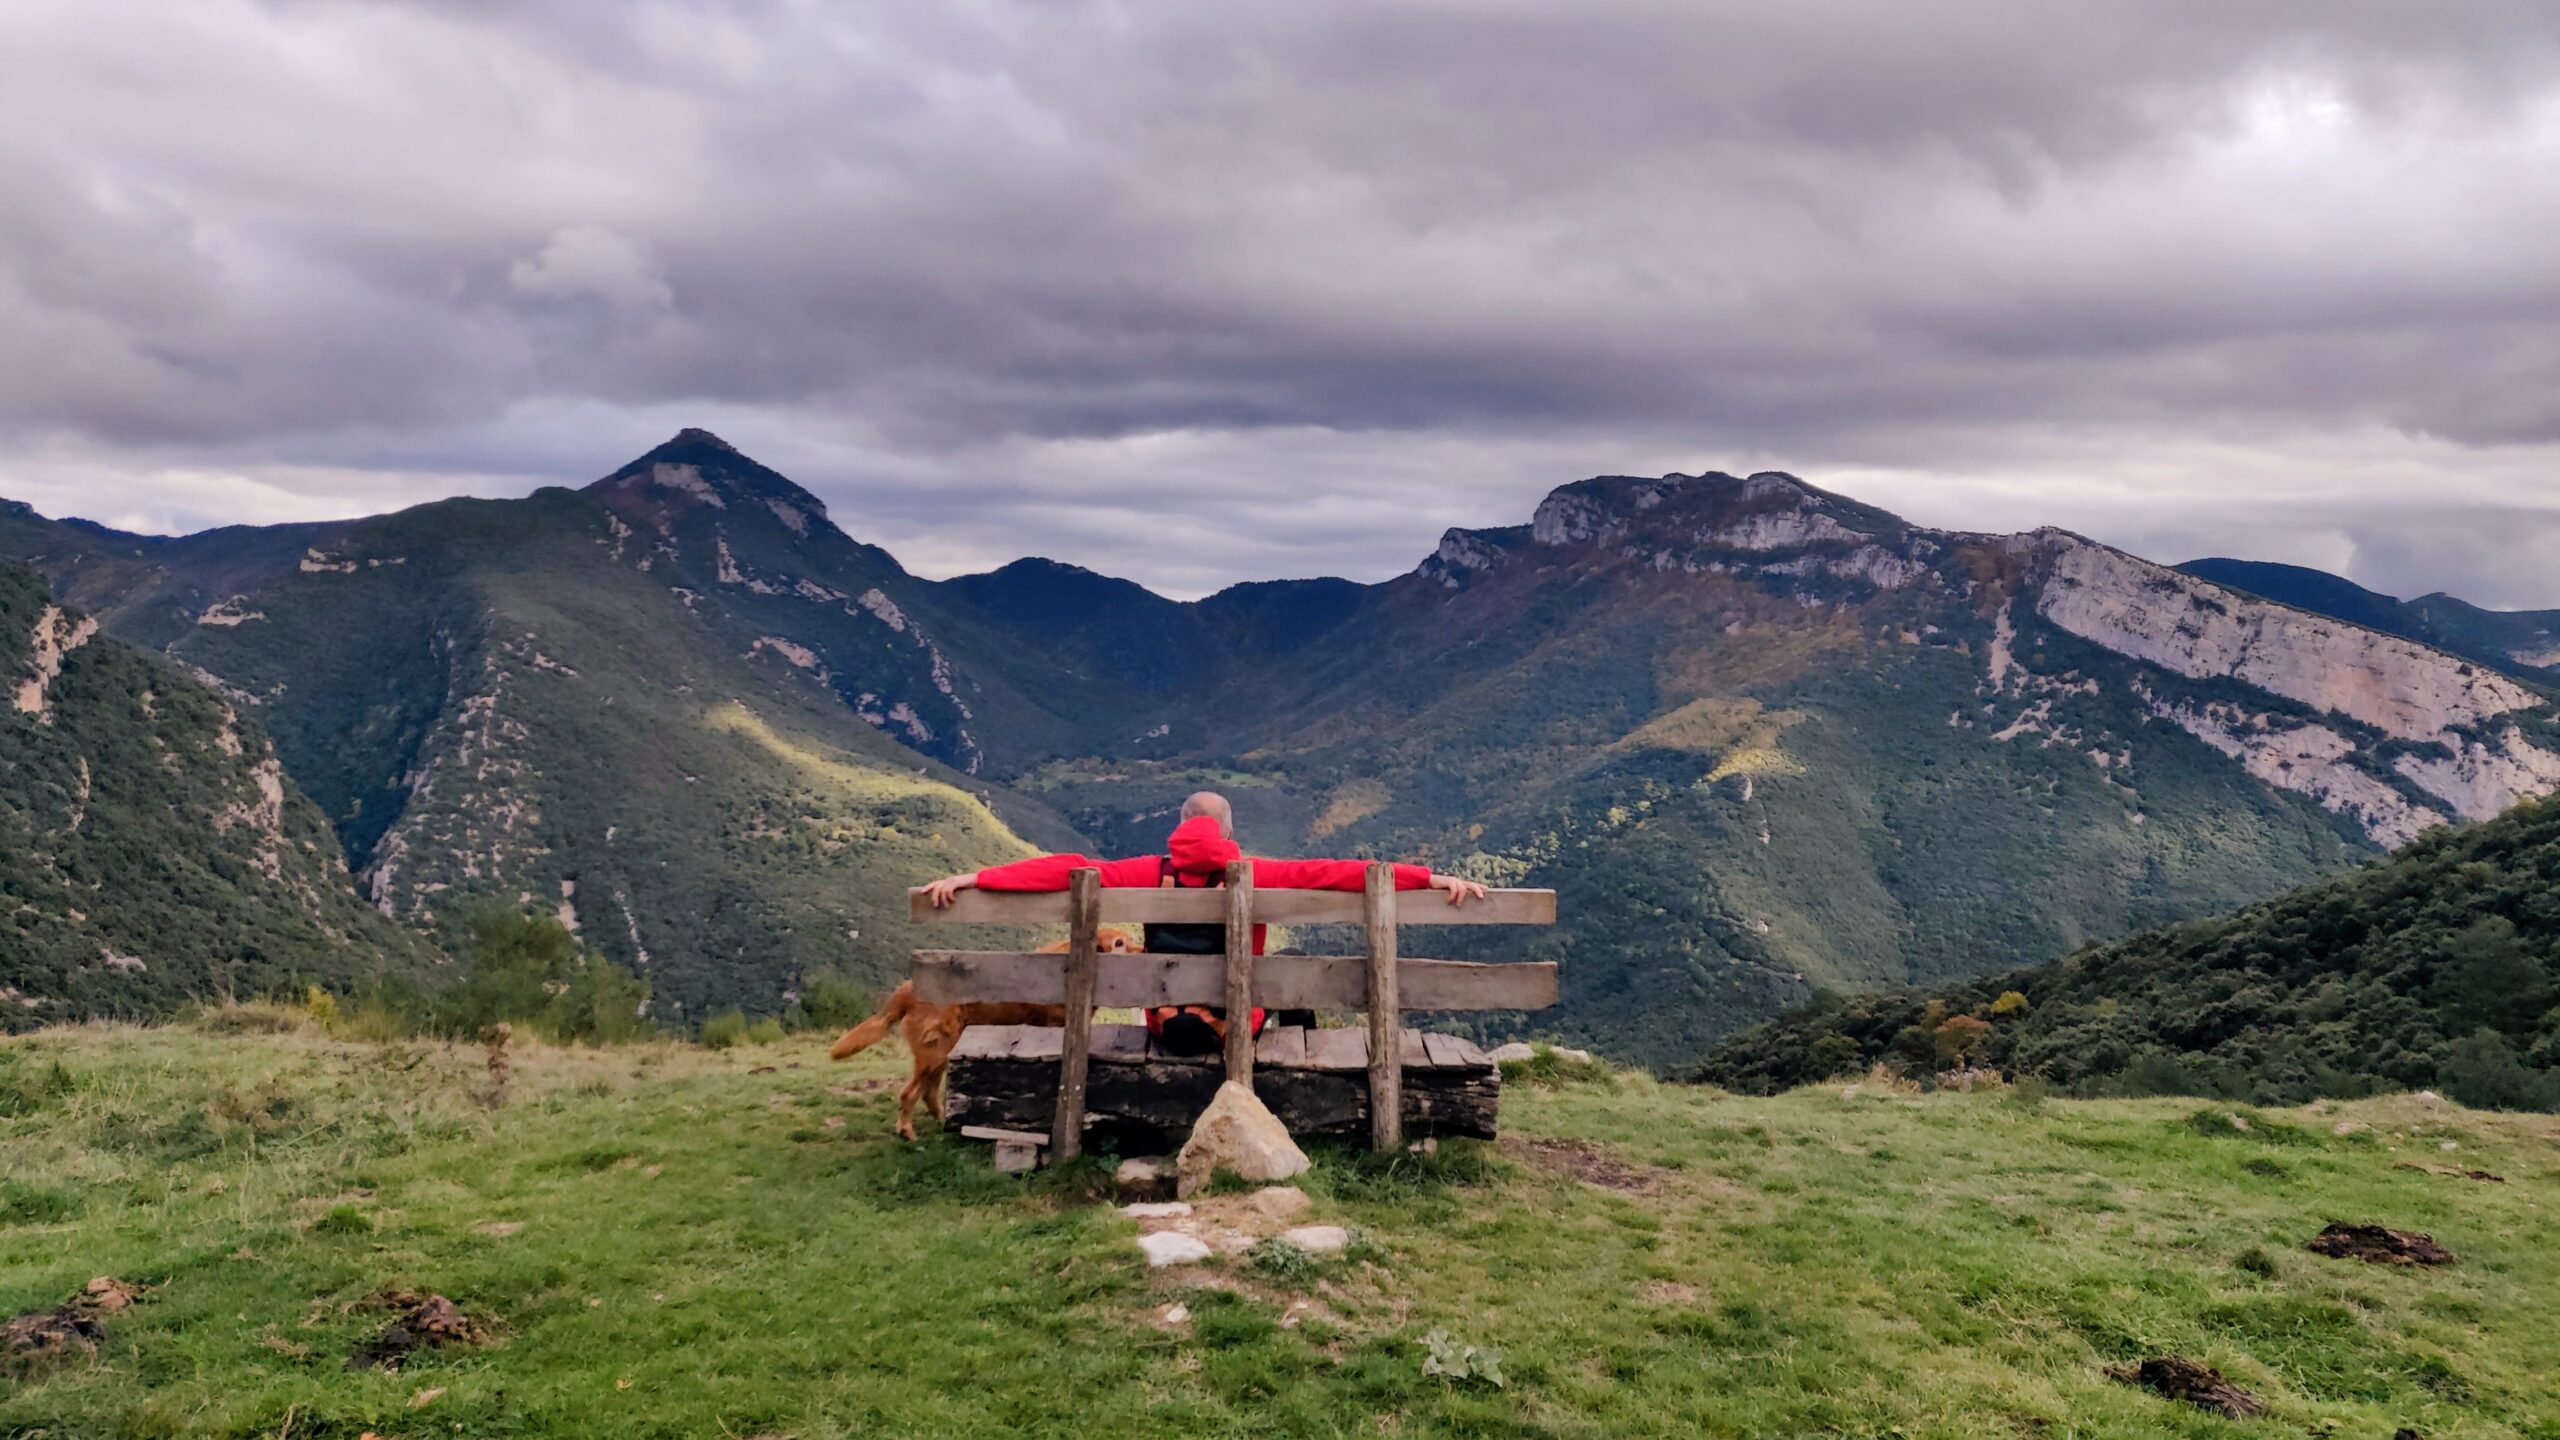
(1298, 285)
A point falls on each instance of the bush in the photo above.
(828, 1003)
(724, 1031)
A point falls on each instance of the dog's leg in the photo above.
(907, 1105)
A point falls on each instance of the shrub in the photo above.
(828, 1003)
(724, 1031)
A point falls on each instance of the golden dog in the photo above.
(931, 1030)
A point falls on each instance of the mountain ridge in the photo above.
(1761, 736)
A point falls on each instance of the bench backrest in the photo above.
(1380, 981)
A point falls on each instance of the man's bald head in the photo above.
(1211, 803)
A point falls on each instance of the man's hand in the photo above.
(1460, 891)
(947, 889)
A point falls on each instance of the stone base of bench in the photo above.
(1005, 1077)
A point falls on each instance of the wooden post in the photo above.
(1386, 1012)
(1075, 1053)
(1240, 972)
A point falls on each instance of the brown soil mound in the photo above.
(1584, 1162)
(2199, 1384)
(74, 1327)
(418, 1322)
(2378, 1245)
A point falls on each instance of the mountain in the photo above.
(2438, 966)
(151, 848)
(1759, 736)
(2524, 643)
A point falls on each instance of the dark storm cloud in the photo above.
(1292, 287)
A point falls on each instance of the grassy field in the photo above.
(673, 1241)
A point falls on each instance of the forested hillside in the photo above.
(2437, 967)
(151, 848)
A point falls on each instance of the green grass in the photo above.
(665, 1242)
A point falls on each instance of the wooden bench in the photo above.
(997, 1072)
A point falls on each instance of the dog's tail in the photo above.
(876, 1029)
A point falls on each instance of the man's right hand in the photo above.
(1459, 891)
(947, 889)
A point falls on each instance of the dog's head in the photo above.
(1109, 940)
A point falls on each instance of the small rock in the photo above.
(1144, 1177)
(1155, 1210)
(1015, 1158)
(2450, 1145)
(2348, 1127)
(1175, 1314)
(2428, 1097)
(1172, 1247)
(1318, 1239)
(1237, 1133)
(1280, 1202)
(2239, 1122)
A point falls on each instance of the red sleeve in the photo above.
(1330, 875)
(1050, 872)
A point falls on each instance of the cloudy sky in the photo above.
(1196, 292)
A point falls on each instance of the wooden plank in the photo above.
(1075, 1044)
(1409, 1051)
(1208, 907)
(1280, 982)
(1239, 997)
(1010, 1137)
(1120, 1044)
(1471, 1056)
(1444, 1051)
(1386, 1072)
(1338, 1049)
(1282, 1045)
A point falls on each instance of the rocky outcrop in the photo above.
(2200, 630)
(57, 632)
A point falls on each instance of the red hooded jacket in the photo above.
(1196, 856)
(1198, 853)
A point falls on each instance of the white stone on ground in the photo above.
(1279, 1202)
(1516, 1050)
(1238, 1134)
(1157, 1210)
(1318, 1239)
(1143, 1177)
(1172, 1247)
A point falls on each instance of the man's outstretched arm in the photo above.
(1042, 873)
(1354, 875)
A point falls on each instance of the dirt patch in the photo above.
(1585, 1162)
(2378, 1245)
(2456, 1174)
(2175, 1377)
(1671, 1292)
(71, 1329)
(418, 1322)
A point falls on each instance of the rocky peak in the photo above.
(697, 470)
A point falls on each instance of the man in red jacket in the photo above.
(1196, 857)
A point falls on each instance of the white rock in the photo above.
(1516, 1050)
(1176, 1314)
(1237, 1133)
(1318, 1239)
(1157, 1210)
(1280, 1202)
(1172, 1247)
(1143, 1177)
(2347, 1127)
